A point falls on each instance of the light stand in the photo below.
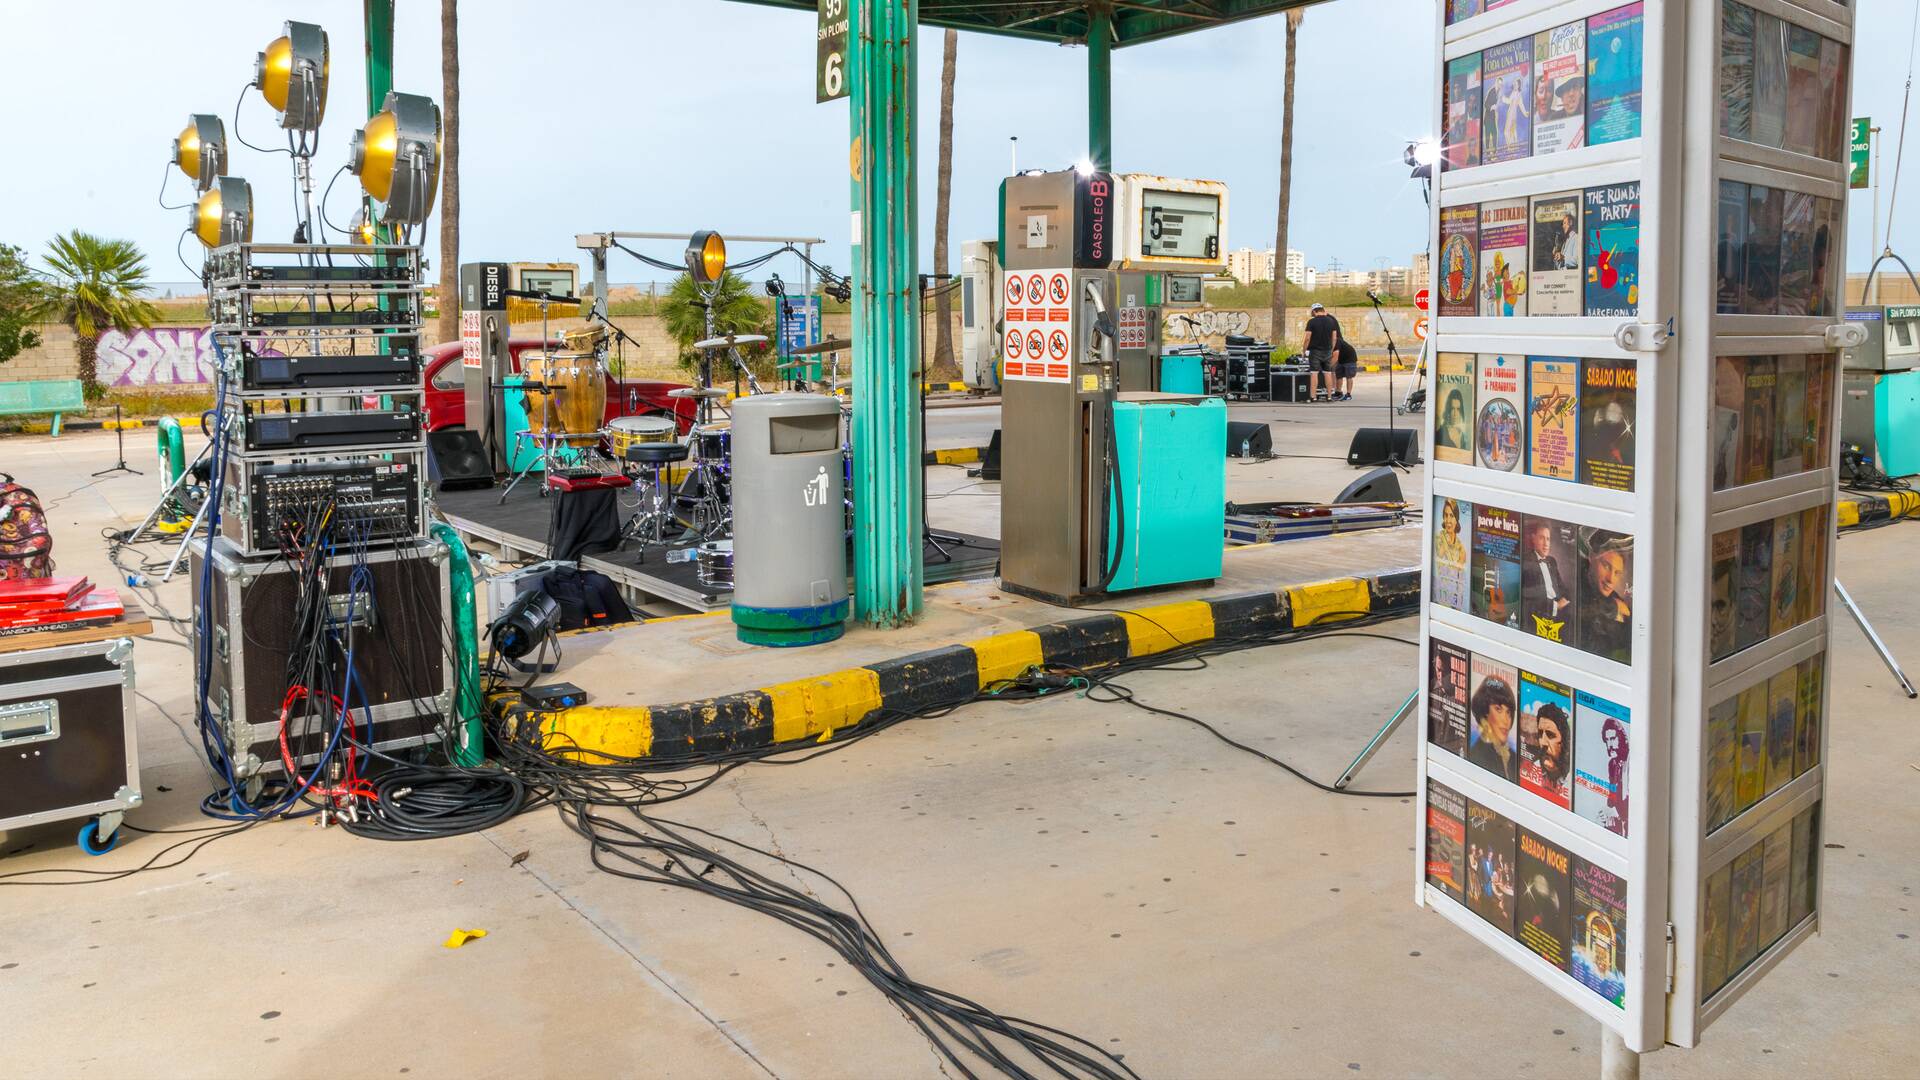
(1879, 646)
(120, 447)
(1379, 739)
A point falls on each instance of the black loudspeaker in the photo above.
(1246, 439)
(1381, 446)
(1379, 485)
(990, 465)
(459, 460)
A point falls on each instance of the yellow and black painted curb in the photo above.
(1873, 507)
(965, 455)
(813, 708)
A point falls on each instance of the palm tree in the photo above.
(1278, 333)
(449, 172)
(736, 310)
(93, 286)
(943, 368)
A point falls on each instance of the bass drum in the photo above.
(628, 431)
(575, 399)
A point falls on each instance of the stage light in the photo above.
(706, 257)
(292, 75)
(361, 228)
(397, 157)
(224, 215)
(1424, 152)
(201, 150)
(1084, 167)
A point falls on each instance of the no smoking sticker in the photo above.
(1015, 350)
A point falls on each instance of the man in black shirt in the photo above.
(1323, 340)
(1346, 364)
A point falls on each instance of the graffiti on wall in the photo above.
(157, 356)
(1205, 323)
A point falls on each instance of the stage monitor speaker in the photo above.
(1378, 485)
(1246, 439)
(990, 465)
(1384, 446)
(459, 460)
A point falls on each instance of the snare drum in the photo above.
(629, 431)
(713, 563)
(714, 442)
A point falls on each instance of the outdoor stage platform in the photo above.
(518, 527)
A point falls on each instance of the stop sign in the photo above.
(1420, 299)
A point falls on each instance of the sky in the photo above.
(677, 115)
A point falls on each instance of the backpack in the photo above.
(26, 548)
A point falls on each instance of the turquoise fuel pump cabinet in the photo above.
(1171, 497)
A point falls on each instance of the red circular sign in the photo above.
(1036, 345)
(1420, 299)
(1057, 344)
(1013, 345)
(1057, 289)
(1014, 289)
(1036, 290)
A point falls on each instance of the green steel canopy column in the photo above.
(378, 19)
(1100, 88)
(887, 570)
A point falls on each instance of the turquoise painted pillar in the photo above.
(1100, 88)
(887, 570)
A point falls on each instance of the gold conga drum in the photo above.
(575, 396)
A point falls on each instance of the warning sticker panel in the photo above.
(1039, 318)
(1132, 328)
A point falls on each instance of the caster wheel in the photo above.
(91, 843)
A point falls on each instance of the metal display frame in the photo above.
(1672, 513)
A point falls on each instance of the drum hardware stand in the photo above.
(1886, 656)
(119, 447)
(160, 507)
(1379, 739)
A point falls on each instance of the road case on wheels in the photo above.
(67, 742)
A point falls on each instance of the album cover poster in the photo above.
(1783, 699)
(1447, 840)
(1451, 518)
(1603, 735)
(1756, 438)
(1736, 70)
(1546, 739)
(1462, 9)
(1743, 925)
(1819, 394)
(1553, 281)
(1769, 80)
(1550, 579)
(1762, 285)
(1835, 117)
(1724, 593)
(1560, 88)
(1751, 615)
(1494, 574)
(1506, 119)
(1713, 933)
(1462, 147)
(1606, 594)
(1730, 260)
(1611, 220)
(1729, 403)
(1784, 601)
(1805, 100)
(1722, 723)
(1503, 257)
(1812, 592)
(1608, 401)
(1453, 417)
(1776, 874)
(1543, 900)
(1499, 425)
(1493, 708)
(1789, 414)
(1447, 698)
(1459, 258)
(1750, 782)
(1553, 400)
(1613, 75)
(1796, 253)
(1823, 417)
(1806, 716)
(1600, 931)
(1809, 858)
(1800, 875)
(1833, 275)
(1491, 841)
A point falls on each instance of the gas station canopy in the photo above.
(1134, 21)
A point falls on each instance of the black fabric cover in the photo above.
(583, 523)
(586, 598)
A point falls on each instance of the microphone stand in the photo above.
(1393, 355)
(120, 447)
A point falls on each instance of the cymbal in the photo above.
(829, 345)
(709, 394)
(714, 343)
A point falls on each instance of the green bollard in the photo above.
(471, 748)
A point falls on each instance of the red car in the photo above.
(447, 389)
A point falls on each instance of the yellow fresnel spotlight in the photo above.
(361, 227)
(292, 75)
(224, 215)
(201, 150)
(397, 157)
(706, 257)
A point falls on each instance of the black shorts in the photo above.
(1345, 370)
(1319, 359)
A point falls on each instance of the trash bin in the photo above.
(789, 523)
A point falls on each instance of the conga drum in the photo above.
(575, 396)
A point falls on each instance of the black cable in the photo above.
(422, 803)
(161, 198)
(197, 840)
(242, 138)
